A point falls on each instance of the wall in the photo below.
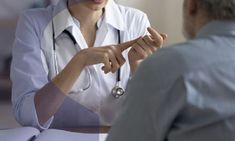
(165, 15)
(9, 8)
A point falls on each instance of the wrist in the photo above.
(68, 76)
(80, 60)
(133, 66)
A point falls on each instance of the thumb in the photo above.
(128, 44)
(155, 35)
(164, 36)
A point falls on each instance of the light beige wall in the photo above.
(11, 8)
(165, 15)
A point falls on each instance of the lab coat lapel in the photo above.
(63, 20)
(112, 19)
(113, 16)
(76, 32)
(102, 33)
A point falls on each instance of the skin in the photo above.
(145, 47)
(193, 18)
(88, 13)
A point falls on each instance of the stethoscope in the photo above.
(117, 90)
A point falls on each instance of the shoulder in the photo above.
(131, 12)
(133, 15)
(38, 15)
(136, 21)
(35, 19)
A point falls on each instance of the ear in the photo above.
(192, 7)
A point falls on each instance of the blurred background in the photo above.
(164, 15)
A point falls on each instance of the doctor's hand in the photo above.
(145, 47)
(111, 56)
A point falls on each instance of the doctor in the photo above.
(61, 75)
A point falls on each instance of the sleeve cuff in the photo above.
(34, 115)
(29, 114)
(46, 125)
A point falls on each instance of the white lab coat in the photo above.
(132, 24)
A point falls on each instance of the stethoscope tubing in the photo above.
(115, 91)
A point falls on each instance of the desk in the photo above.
(103, 129)
(26, 133)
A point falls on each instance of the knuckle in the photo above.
(142, 55)
(116, 50)
(145, 55)
(159, 44)
(107, 69)
(135, 46)
(150, 52)
(115, 68)
(122, 62)
(112, 47)
(106, 55)
(146, 36)
(140, 41)
(154, 49)
(109, 50)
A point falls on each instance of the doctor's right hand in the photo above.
(111, 56)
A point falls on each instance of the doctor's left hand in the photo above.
(145, 47)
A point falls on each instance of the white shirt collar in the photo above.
(63, 19)
(113, 15)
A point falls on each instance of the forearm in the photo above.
(68, 76)
(49, 99)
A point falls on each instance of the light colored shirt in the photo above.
(33, 64)
(185, 92)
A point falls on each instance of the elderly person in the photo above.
(186, 92)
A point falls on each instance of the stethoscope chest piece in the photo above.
(117, 92)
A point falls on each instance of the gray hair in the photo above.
(218, 9)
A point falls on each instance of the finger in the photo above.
(126, 45)
(164, 36)
(107, 66)
(158, 39)
(118, 54)
(114, 63)
(139, 50)
(121, 60)
(150, 42)
(145, 47)
(154, 33)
